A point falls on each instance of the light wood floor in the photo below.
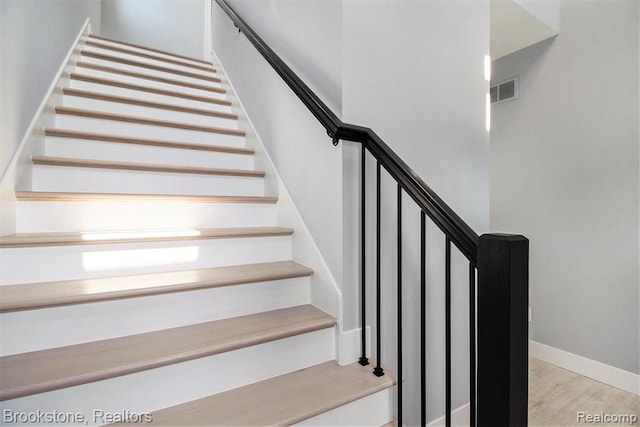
(557, 395)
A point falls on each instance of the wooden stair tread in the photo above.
(143, 103)
(145, 167)
(175, 94)
(48, 196)
(40, 371)
(68, 133)
(148, 66)
(128, 73)
(51, 294)
(137, 236)
(202, 67)
(146, 121)
(282, 400)
(177, 55)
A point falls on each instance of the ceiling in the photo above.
(516, 24)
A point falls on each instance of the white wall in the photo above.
(420, 85)
(413, 71)
(35, 36)
(564, 172)
(171, 25)
(308, 163)
(307, 35)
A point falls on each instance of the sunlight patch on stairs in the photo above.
(116, 235)
(115, 260)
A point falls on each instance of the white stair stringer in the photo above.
(325, 292)
(159, 388)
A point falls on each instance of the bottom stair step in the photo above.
(283, 400)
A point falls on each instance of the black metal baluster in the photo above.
(363, 250)
(423, 321)
(378, 371)
(472, 345)
(399, 305)
(447, 386)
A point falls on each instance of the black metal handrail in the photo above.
(438, 211)
(325, 116)
(498, 299)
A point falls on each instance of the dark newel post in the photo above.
(503, 338)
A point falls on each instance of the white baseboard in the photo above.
(208, 33)
(615, 377)
(459, 417)
(350, 349)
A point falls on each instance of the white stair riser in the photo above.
(114, 127)
(40, 329)
(151, 61)
(150, 112)
(171, 385)
(41, 217)
(153, 97)
(87, 261)
(142, 50)
(144, 70)
(90, 180)
(373, 410)
(146, 82)
(124, 152)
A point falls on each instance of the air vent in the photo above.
(504, 91)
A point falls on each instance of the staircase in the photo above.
(149, 279)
